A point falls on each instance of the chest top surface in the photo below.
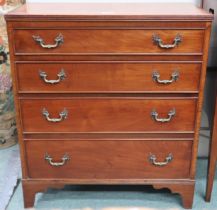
(146, 11)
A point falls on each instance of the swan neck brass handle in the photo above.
(153, 160)
(171, 114)
(158, 41)
(58, 41)
(49, 159)
(62, 116)
(174, 78)
(60, 76)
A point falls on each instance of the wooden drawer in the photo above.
(107, 41)
(107, 77)
(108, 159)
(108, 114)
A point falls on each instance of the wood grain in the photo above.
(112, 24)
(184, 187)
(147, 11)
(16, 102)
(112, 157)
(200, 100)
(108, 55)
(107, 77)
(107, 115)
(31, 188)
(186, 191)
(102, 41)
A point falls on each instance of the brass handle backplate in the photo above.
(63, 161)
(153, 160)
(174, 78)
(158, 41)
(58, 41)
(60, 76)
(62, 115)
(171, 114)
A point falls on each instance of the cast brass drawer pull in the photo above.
(61, 76)
(49, 159)
(174, 78)
(58, 41)
(158, 41)
(63, 115)
(153, 160)
(171, 114)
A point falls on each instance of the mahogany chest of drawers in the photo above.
(108, 94)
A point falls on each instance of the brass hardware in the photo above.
(153, 160)
(158, 41)
(63, 115)
(58, 41)
(48, 158)
(171, 114)
(61, 76)
(174, 78)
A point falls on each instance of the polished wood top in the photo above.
(149, 11)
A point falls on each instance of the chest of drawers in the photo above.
(108, 94)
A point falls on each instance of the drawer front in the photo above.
(108, 115)
(109, 41)
(108, 159)
(107, 77)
